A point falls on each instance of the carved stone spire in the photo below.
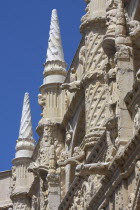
(55, 66)
(25, 143)
(26, 124)
(55, 49)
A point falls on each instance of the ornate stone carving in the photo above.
(90, 140)
(111, 150)
(111, 22)
(44, 194)
(62, 182)
(95, 13)
(130, 201)
(88, 155)
(78, 155)
(41, 100)
(87, 190)
(63, 156)
(109, 38)
(123, 52)
(21, 204)
(134, 29)
(13, 178)
(55, 50)
(78, 152)
(77, 203)
(93, 82)
(33, 167)
(67, 99)
(55, 66)
(71, 87)
(113, 89)
(72, 160)
(93, 168)
(84, 19)
(34, 203)
(73, 75)
(25, 143)
(69, 133)
(82, 196)
(46, 142)
(95, 106)
(120, 30)
(25, 125)
(82, 55)
(95, 58)
(52, 160)
(44, 204)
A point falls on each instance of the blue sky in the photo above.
(24, 30)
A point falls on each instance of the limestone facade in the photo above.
(88, 152)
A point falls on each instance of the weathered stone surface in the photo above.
(88, 155)
(5, 183)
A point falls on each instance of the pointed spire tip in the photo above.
(55, 49)
(26, 94)
(26, 123)
(54, 10)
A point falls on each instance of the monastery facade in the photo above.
(88, 153)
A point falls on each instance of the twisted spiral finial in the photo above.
(25, 131)
(55, 49)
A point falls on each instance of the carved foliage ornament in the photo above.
(83, 195)
(134, 29)
(46, 141)
(123, 52)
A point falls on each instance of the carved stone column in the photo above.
(109, 38)
(45, 129)
(93, 28)
(53, 191)
(21, 184)
(48, 168)
(49, 173)
(124, 76)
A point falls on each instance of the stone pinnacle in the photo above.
(55, 49)
(26, 124)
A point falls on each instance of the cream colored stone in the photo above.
(87, 156)
(25, 143)
(55, 50)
